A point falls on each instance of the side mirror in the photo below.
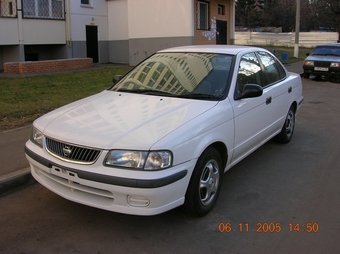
(116, 78)
(251, 91)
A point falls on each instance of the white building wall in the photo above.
(138, 28)
(306, 39)
(8, 31)
(118, 20)
(94, 15)
(37, 31)
(160, 18)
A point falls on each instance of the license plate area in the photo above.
(321, 69)
(64, 173)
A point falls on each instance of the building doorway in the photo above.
(221, 32)
(92, 42)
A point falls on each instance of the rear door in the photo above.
(278, 90)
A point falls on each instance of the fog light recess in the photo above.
(138, 201)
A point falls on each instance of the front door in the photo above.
(221, 32)
(253, 116)
(92, 42)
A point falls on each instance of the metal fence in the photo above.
(8, 8)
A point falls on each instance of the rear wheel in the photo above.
(287, 131)
(205, 183)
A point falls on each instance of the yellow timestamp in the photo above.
(268, 227)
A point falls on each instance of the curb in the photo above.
(15, 180)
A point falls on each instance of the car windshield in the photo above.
(327, 51)
(201, 76)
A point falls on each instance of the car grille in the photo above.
(72, 153)
(321, 64)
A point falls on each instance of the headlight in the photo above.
(308, 63)
(154, 160)
(37, 137)
(336, 65)
(158, 160)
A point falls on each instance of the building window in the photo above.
(85, 3)
(202, 15)
(43, 9)
(221, 9)
(8, 8)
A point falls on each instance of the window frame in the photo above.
(86, 5)
(199, 17)
(34, 7)
(221, 9)
(8, 9)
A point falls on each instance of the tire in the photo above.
(205, 183)
(306, 75)
(287, 131)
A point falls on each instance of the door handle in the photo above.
(290, 89)
(269, 100)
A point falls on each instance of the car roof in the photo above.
(221, 49)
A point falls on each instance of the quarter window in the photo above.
(202, 15)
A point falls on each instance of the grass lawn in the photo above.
(24, 98)
(290, 52)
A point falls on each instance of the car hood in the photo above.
(120, 120)
(322, 58)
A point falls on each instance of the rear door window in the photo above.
(272, 69)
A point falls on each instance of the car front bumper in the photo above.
(147, 193)
(321, 71)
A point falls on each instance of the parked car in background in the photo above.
(323, 61)
(164, 133)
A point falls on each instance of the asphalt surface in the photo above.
(15, 170)
(280, 199)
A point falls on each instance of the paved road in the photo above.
(279, 188)
(12, 155)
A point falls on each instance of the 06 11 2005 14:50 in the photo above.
(268, 227)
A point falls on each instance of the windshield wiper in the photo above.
(144, 91)
(332, 55)
(200, 96)
(151, 92)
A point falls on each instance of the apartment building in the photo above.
(116, 31)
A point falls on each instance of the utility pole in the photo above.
(297, 29)
(337, 22)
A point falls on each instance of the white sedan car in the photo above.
(164, 133)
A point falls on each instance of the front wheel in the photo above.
(205, 183)
(287, 131)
